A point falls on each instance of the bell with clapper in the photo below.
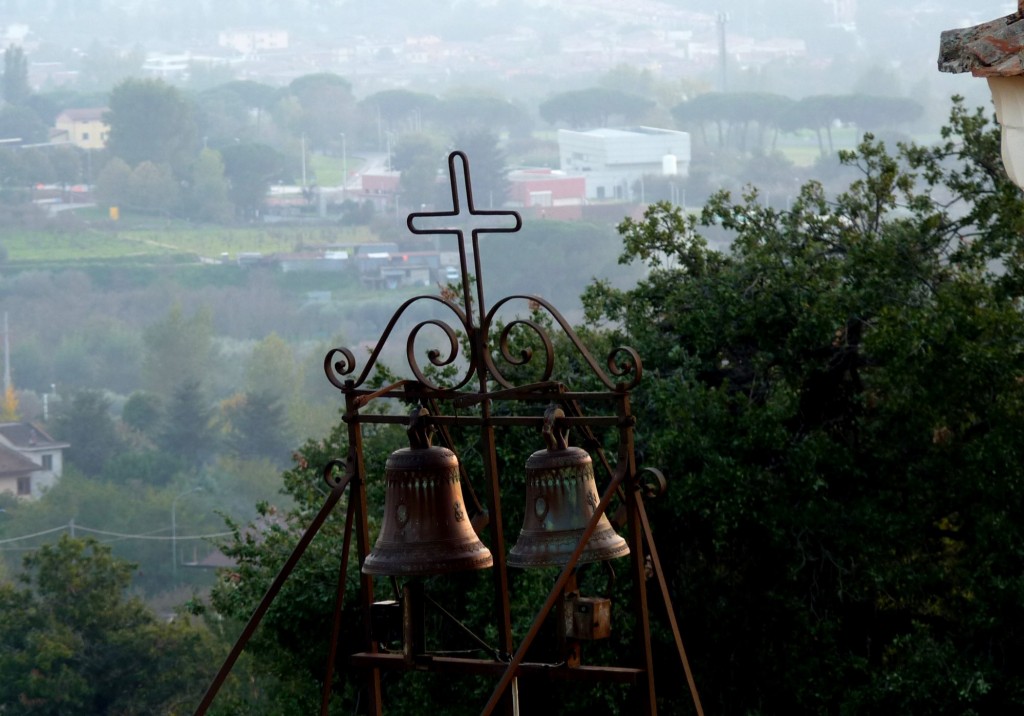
(561, 496)
(425, 529)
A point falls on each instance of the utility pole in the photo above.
(344, 166)
(303, 161)
(7, 357)
(174, 533)
(721, 19)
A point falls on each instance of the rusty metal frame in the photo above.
(470, 325)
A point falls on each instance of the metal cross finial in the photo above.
(439, 222)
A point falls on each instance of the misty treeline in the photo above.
(837, 403)
(211, 154)
(165, 378)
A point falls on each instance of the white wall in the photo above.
(613, 160)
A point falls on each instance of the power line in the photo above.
(150, 536)
(121, 535)
(37, 534)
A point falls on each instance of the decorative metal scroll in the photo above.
(492, 359)
(470, 324)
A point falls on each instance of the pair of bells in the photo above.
(426, 529)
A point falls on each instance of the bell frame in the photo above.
(482, 385)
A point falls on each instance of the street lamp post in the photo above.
(174, 532)
(344, 166)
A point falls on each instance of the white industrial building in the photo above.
(614, 161)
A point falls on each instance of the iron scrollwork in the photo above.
(623, 368)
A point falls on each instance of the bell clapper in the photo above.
(568, 647)
(414, 640)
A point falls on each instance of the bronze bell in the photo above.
(561, 496)
(425, 528)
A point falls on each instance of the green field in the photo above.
(328, 170)
(801, 148)
(172, 244)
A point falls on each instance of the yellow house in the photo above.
(84, 128)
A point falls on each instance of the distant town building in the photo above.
(380, 188)
(165, 66)
(613, 161)
(84, 128)
(31, 461)
(252, 40)
(547, 193)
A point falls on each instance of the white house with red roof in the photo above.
(31, 461)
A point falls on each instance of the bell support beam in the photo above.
(553, 596)
(339, 601)
(536, 672)
(497, 421)
(355, 445)
(337, 490)
(667, 598)
(492, 475)
(479, 396)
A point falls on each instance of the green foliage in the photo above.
(20, 122)
(87, 425)
(593, 107)
(67, 165)
(187, 433)
(837, 402)
(250, 168)
(487, 160)
(102, 353)
(113, 183)
(733, 112)
(398, 107)
(553, 259)
(153, 189)
(142, 412)
(72, 643)
(290, 645)
(140, 466)
(150, 121)
(272, 369)
(15, 80)
(258, 429)
(325, 104)
(466, 111)
(208, 190)
(179, 350)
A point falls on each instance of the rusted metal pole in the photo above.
(339, 600)
(257, 616)
(502, 602)
(355, 445)
(553, 596)
(634, 536)
(667, 598)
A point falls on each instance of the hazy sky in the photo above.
(900, 38)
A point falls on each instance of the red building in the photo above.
(380, 188)
(547, 193)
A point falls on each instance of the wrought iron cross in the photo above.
(480, 222)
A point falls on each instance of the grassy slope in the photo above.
(170, 244)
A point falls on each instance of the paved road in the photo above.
(373, 163)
